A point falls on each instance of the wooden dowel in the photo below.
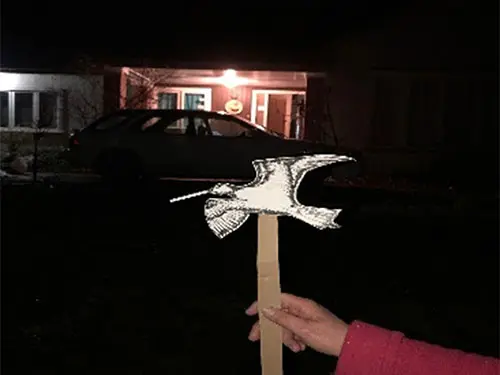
(269, 294)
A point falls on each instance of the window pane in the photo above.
(4, 109)
(194, 101)
(226, 128)
(179, 126)
(159, 124)
(150, 122)
(23, 109)
(48, 106)
(167, 100)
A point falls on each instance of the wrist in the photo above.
(341, 339)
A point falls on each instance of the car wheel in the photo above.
(118, 165)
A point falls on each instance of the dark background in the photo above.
(99, 280)
(54, 34)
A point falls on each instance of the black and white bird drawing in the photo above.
(273, 191)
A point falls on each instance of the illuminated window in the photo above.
(29, 110)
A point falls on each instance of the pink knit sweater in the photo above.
(370, 350)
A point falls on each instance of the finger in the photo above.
(289, 340)
(254, 334)
(288, 321)
(296, 305)
(301, 343)
(252, 309)
(299, 306)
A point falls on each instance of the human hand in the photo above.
(304, 323)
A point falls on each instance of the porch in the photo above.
(273, 99)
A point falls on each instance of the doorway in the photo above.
(279, 110)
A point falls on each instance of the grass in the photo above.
(97, 280)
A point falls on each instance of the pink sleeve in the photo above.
(370, 350)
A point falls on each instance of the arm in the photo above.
(369, 350)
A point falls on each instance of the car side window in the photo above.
(227, 128)
(200, 126)
(110, 122)
(177, 126)
(165, 124)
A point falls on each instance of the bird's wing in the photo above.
(260, 172)
(222, 218)
(299, 166)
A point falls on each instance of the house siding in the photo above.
(82, 95)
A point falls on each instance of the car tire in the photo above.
(119, 166)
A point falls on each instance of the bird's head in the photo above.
(223, 189)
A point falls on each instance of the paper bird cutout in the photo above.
(273, 191)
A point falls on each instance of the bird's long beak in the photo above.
(188, 196)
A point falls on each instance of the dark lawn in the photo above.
(100, 281)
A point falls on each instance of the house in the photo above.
(273, 99)
(56, 102)
(63, 102)
(59, 102)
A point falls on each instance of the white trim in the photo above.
(288, 118)
(266, 109)
(279, 92)
(254, 109)
(181, 91)
(36, 108)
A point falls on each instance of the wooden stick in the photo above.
(269, 294)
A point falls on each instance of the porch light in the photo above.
(230, 79)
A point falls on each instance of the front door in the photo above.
(277, 113)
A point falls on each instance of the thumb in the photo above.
(288, 321)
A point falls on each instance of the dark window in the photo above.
(23, 109)
(4, 109)
(167, 100)
(227, 128)
(48, 109)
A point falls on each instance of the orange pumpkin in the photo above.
(233, 107)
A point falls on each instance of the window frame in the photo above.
(11, 105)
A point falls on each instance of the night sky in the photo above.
(53, 34)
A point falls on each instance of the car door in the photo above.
(161, 140)
(231, 146)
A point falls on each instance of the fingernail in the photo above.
(269, 311)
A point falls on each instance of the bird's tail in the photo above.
(320, 218)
